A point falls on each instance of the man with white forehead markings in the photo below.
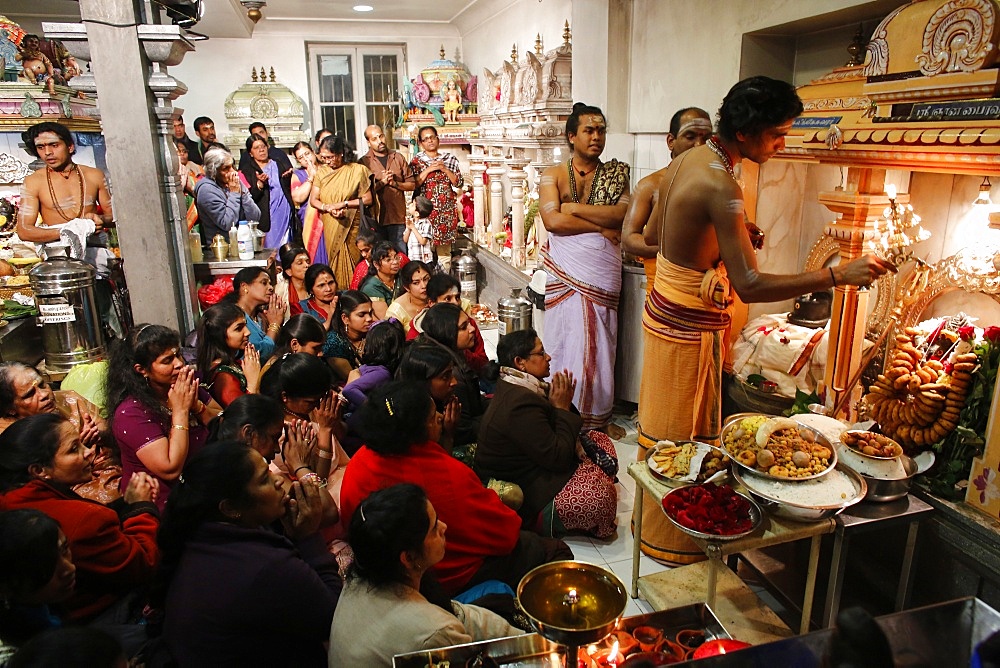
(705, 252)
(583, 202)
(689, 127)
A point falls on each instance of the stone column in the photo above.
(544, 158)
(477, 167)
(517, 175)
(859, 207)
(496, 171)
(120, 47)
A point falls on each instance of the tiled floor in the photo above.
(615, 554)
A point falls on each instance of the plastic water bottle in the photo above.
(244, 240)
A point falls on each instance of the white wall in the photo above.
(219, 66)
(489, 28)
(688, 52)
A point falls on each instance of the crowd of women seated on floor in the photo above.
(305, 485)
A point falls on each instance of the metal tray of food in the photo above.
(743, 448)
(669, 467)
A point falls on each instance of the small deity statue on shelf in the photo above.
(36, 68)
(452, 97)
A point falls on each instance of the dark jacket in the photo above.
(250, 170)
(525, 440)
(249, 597)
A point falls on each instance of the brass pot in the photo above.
(220, 248)
(571, 602)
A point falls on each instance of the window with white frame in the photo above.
(352, 87)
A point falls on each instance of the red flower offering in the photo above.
(710, 509)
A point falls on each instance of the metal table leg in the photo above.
(807, 601)
(637, 539)
(906, 574)
(835, 586)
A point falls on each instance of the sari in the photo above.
(312, 226)
(346, 183)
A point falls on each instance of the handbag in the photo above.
(368, 219)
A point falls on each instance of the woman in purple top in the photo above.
(271, 190)
(159, 412)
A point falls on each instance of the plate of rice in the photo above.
(806, 500)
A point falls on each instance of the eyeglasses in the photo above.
(327, 158)
(540, 353)
(428, 138)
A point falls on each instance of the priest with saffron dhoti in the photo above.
(705, 253)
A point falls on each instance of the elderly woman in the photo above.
(41, 458)
(398, 536)
(302, 184)
(221, 199)
(235, 592)
(271, 190)
(341, 188)
(401, 426)
(24, 392)
(159, 412)
(530, 435)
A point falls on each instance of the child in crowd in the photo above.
(418, 235)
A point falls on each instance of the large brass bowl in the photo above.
(546, 595)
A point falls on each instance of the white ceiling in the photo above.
(384, 10)
(226, 18)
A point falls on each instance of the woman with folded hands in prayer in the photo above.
(234, 591)
(253, 292)
(530, 435)
(160, 414)
(228, 362)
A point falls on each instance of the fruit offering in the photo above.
(710, 509)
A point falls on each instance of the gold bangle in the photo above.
(181, 427)
(325, 454)
(200, 407)
(273, 328)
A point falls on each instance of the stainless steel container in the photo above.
(513, 313)
(67, 306)
(465, 269)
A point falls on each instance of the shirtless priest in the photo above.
(62, 191)
(583, 202)
(705, 253)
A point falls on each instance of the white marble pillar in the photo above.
(544, 158)
(496, 171)
(477, 167)
(517, 175)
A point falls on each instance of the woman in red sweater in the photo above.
(41, 458)
(401, 427)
